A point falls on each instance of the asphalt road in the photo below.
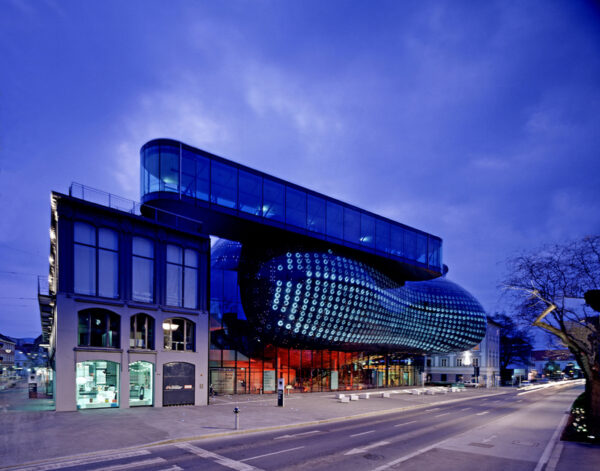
(504, 432)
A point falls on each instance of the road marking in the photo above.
(362, 433)
(296, 434)
(135, 464)
(431, 410)
(84, 461)
(172, 468)
(520, 400)
(405, 423)
(489, 439)
(222, 460)
(441, 415)
(467, 408)
(483, 413)
(550, 446)
(408, 457)
(356, 451)
(274, 453)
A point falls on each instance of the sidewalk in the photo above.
(34, 435)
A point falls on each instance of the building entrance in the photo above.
(178, 384)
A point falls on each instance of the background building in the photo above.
(479, 364)
(7, 361)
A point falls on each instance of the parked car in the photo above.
(472, 384)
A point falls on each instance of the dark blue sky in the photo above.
(475, 121)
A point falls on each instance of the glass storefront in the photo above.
(141, 384)
(97, 384)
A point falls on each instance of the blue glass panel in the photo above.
(435, 253)
(273, 200)
(250, 193)
(316, 214)
(223, 184)
(295, 207)
(202, 177)
(367, 230)
(335, 220)
(421, 254)
(188, 174)
(169, 168)
(216, 284)
(351, 225)
(410, 245)
(152, 165)
(397, 234)
(382, 236)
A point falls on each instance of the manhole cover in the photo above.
(482, 445)
(373, 457)
(525, 443)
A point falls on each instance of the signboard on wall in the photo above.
(334, 380)
(222, 380)
(269, 380)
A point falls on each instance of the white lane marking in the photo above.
(483, 413)
(83, 461)
(135, 464)
(405, 423)
(296, 434)
(467, 408)
(172, 468)
(550, 446)
(222, 460)
(431, 410)
(489, 439)
(362, 433)
(407, 457)
(520, 400)
(270, 454)
(356, 451)
(441, 415)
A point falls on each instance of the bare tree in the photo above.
(549, 288)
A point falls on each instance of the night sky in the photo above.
(478, 122)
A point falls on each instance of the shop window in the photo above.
(98, 328)
(179, 334)
(182, 277)
(141, 384)
(142, 332)
(96, 256)
(142, 269)
(97, 384)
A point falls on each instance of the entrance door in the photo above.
(178, 384)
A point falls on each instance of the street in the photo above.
(507, 431)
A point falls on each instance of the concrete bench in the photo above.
(354, 397)
(418, 392)
(344, 398)
(340, 396)
(365, 395)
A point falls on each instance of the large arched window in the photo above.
(141, 334)
(99, 328)
(179, 334)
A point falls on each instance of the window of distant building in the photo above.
(444, 377)
(178, 334)
(475, 361)
(444, 362)
(96, 256)
(142, 269)
(459, 362)
(429, 362)
(98, 328)
(142, 332)
(182, 277)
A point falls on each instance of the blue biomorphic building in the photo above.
(304, 287)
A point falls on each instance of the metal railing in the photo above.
(103, 198)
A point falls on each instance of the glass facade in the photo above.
(98, 328)
(97, 384)
(142, 270)
(182, 277)
(173, 167)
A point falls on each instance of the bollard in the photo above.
(236, 414)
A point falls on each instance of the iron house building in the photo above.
(141, 310)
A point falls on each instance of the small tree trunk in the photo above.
(592, 389)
